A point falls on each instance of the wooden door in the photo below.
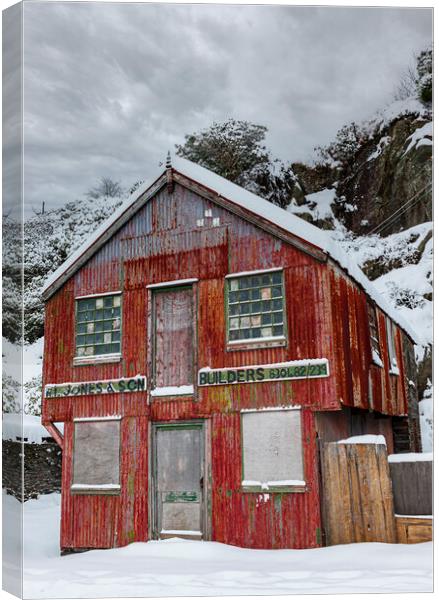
(178, 480)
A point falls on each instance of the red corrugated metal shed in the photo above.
(169, 237)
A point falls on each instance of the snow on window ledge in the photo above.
(394, 370)
(376, 359)
(267, 342)
(285, 485)
(181, 390)
(94, 360)
(102, 488)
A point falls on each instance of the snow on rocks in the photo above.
(193, 568)
(422, 136)
(426, 418)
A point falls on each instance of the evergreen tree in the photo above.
(236, 151)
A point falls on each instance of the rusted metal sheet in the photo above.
(179, 236)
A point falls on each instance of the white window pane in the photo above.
(272, 442)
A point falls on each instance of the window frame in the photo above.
(272, 488)
(255, 343)
(110, 357)
(391, 347)
(152, 290)
(95, 490)
(375, 344)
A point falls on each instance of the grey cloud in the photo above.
(109, 88)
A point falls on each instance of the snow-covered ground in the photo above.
(187, 568)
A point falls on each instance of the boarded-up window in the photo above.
(272, 449)
(393, 364)
(374, 334)
(173, 337)
(96, 456)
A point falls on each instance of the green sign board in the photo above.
(93, 388)
(297, 369)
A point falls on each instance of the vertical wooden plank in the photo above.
(357, 494)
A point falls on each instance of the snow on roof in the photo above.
(257, 205)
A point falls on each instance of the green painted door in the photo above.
(178, 480)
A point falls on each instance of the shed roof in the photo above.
(283, 220)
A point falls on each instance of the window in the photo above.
(255, 305)
(173, 341)
(393, 364)
(272, 450)
(98, 325)
(96, 456)
(374, 335)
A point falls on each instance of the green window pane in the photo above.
(266, 319)
(80, 340)
(256, 294)
(82, 304)
(277, 317)
(99, 326)
(81, 328)
(115, 347)
(234, 309)
(278, 330)
(255, 281)
(108, 301)
(115, 336)
(277, 277)
(245, 308)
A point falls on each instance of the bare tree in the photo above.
(407, 84)
(105, 187)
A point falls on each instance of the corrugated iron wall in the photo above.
(327, 317)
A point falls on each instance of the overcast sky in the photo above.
(109, 88)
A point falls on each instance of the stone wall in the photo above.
(42, 468)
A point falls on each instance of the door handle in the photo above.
(201, 482)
